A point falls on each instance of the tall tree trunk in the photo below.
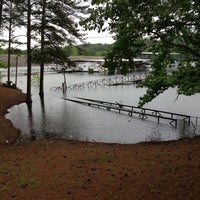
(9, 42)
(16, 71)
(41, 93)
(1, 12)
(29, 58)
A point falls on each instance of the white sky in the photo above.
(94, 37)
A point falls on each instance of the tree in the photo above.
(29, 55)
(43, 25)
(10, 25)
(9, 20)
(171, 25)
(17, 13)
(55, 22)
(1, 12)
(51, 24)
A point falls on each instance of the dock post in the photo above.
(176, 124)
(64, 87)
(189, 120)
(131, 113)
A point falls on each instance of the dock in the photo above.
(108, 81)
(142, 113)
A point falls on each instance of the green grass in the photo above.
(5, 188)
(5, 169)
(27, 182)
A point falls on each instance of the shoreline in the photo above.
(9, 97)
(64, 169)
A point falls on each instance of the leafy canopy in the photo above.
(170, 25)
(55, 25)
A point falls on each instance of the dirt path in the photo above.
(61, 169)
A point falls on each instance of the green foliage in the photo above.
(50, 55)
(155, 86)
(3, 51)
(3, 64)
(88, 49)
(36, 79)
(158, 26)
(57, 22)
(187, 78)
(5, 188)
(94, 49)
(27, 182)
(15, 51)
(71, 50)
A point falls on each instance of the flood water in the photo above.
(58, 118)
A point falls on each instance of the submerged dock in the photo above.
(108, 81)
(142, 113)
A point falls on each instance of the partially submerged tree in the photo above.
(24, 12)
(174, 25)
(29, 53)
(56, 23)
(52, 24)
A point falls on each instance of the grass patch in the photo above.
(5, 169)
(5, 188)
(27, 182)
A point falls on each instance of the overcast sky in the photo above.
(95, 37)
(92, 37)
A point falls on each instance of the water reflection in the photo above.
(30, 121)
(43, 118)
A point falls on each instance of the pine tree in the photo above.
(56, 25)
(1, 12)
(9, 20)
(29, 56)
(51, 24)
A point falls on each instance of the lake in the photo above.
(58, 118)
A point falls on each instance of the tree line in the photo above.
(73, 50)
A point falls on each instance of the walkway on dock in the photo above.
(143, 113)
(109, 81)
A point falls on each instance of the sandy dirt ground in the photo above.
(63, 169)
